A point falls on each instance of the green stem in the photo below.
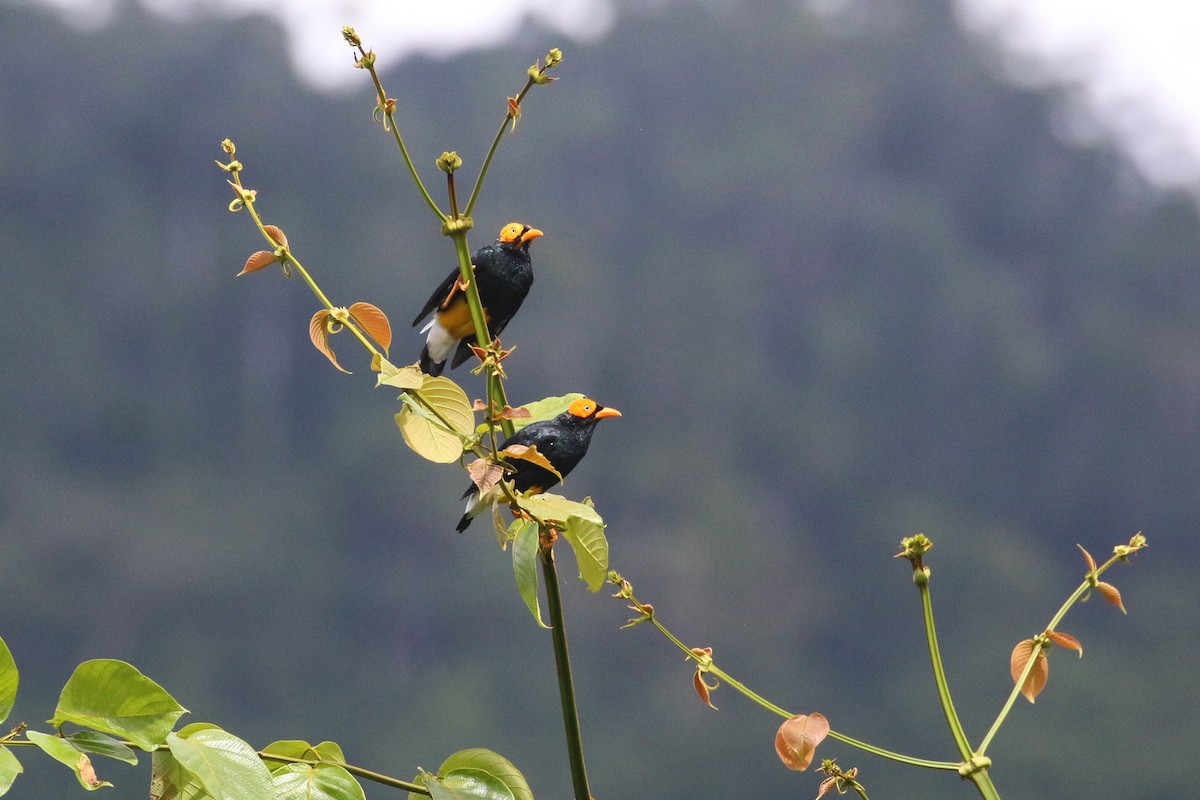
(495, 387)
(983, 782)
(939, 672)
(562, 663)
(768, 705)
(375, 777)
(492, 151)
(395, 129)
(1033, 657)
(1039, 645)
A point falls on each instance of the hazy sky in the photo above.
(1134, 64)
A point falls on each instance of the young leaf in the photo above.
(1037, 676)
(1110, 593)
(257, 261)
(276, 234)
(318, 331)
(425, 433)
(1065, 640)
(409, 377)
(227, 767)
(530, 453)
(1087, 557)
(797, 739)
(10, 768)
(525, 565)
(483, 769)
(703, 689)
(9, 680)
(373, 322)
(113, 697)
(319, 782)
(62, 750)
(485, 474)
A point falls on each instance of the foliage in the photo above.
(850, 340)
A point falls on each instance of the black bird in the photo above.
(503, 272)
(563, 441)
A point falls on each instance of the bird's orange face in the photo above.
(518, 234)
(585, 408)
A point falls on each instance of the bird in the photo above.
(563, 441)
(503, 273)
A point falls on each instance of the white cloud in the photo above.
(1133, 65)
(396, 27)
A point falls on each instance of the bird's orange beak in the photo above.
(607, 412)
(529, 235)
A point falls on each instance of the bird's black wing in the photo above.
(438, 297)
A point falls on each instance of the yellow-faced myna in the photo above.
(563, 441)
(503, 272)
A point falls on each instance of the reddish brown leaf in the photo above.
(479, 405)
(703, 689)
(1037, 676)
(373, 322)
(484, 474)
(797, 739)
(87, 773)
(318, 331)
(1065, 640)
(515, 413)
(257, 261)
(1091, 562)
(1110, 593)
(276, 234)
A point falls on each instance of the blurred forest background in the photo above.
(845, 283)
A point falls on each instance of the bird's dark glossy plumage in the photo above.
(503, 272)
(563, 441)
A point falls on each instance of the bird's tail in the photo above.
(472, 498)
(428, 365)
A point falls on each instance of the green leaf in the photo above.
(550, 506)
(292, 748)
(581, 526)
(483, 774)
(10, 768)
(469, 785)
(9, 678)
(409, 377)
(427, 435)
(227, 767)
(525, 564)
(101, 744)
(591, 550)
(546, 408)
(169, 780)
(113, 697)
(320, 782)
(62, 750)
(330, 751)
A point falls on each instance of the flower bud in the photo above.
(449, 161)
